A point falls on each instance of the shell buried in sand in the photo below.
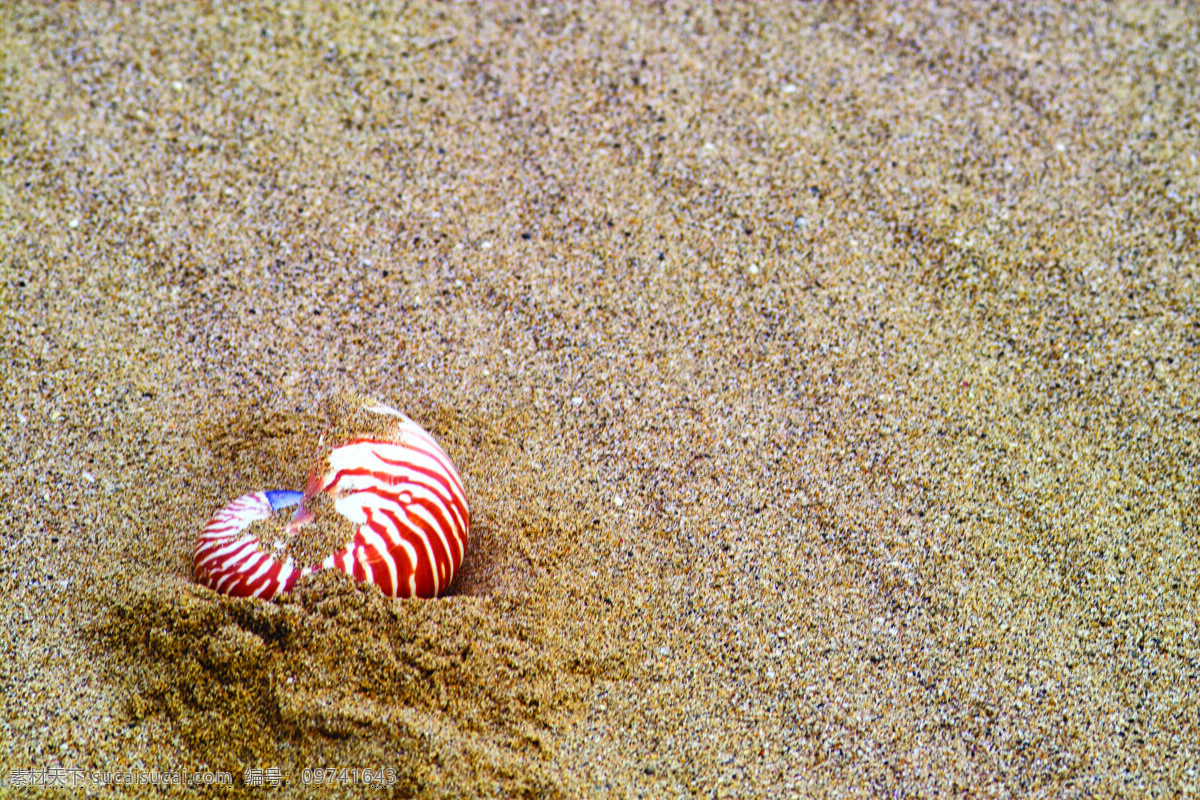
(394, 491)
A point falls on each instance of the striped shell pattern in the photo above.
(403, 500)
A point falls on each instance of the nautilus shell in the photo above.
(232, 562)
(393, 490)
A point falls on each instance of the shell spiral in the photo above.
(230, 561)
(400, 494)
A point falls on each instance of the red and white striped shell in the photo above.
(403, 501)
(230, 561)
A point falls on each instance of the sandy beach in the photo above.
(823, 379)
